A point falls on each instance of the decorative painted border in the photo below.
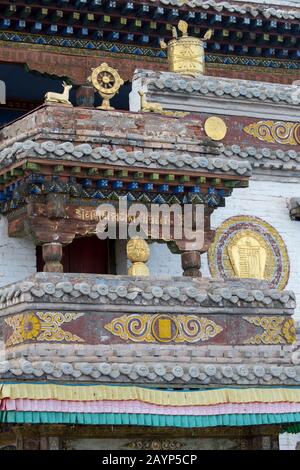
(163, 328)
(275, 132)
(41, 326)
(60, 43)
(276, 330)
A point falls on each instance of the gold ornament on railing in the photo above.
(186, 54)
(138, 253)
(107, 82)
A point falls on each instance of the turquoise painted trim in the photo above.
(29, 417)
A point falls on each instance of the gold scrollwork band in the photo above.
(285, 133)
(163, 328)
(277, 330)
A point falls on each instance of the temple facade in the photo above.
(149, 230)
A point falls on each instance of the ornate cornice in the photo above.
(112, 290)
(161, 373)
(268, 158)
(246, 90)
(120, 156)
(225, 162)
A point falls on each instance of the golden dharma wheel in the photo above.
(107, 82)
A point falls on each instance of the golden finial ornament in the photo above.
(138, 253)
(186, 53)
(107, 82)
(183, 27)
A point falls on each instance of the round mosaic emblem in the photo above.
(249, 247)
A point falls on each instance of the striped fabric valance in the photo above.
(48, 391)
(44, 403)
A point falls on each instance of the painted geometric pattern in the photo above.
(163, 328)
(41, 326)
(119, 48)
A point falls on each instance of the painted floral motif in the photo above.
(30, 326)
(41, 326)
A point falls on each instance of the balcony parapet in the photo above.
(147, 330)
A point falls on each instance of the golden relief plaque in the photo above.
(186, 54)
(248, 255)
(249, 247)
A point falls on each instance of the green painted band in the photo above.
(38, 417)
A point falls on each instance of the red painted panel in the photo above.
(83, 255)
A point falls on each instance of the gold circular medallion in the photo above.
(215, 128)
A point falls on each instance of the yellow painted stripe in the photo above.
(103, 392)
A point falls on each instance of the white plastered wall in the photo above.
(17, 256)
(289, 441)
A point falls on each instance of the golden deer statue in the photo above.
(149, 107)
(51, 97)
